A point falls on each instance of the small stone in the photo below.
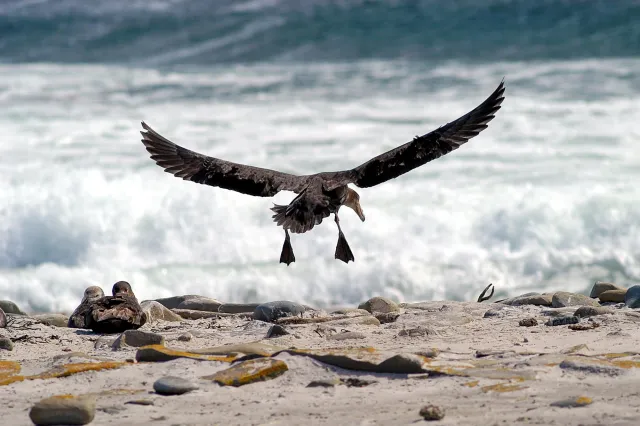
(3, 319)
(347, 336)
(200, 303)
(562, 321)
(600, 287)
(55, 320)
(172, 385)
(156, 311)
(584, 326)
(591, 311)
(432, 412)
(271, 311)
(324, 383)
(251, 371)
(6, 343)
(238, 308)
(185, 337)
(174, 301)
(10, 308)
(579, 401)
(528, 322)
(354, 382)
(562, 299)
(276, 330)
(379, 304)
(616, 296)
(137, 338)
(140, 402)
(632, 298)
(64, 410)
(387, 317)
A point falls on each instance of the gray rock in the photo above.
(174, 301)
(271, 311)
(562, 299)
(3, 319)
(510, 300)
(238, 308)
(587, 365)
(137, 338)
(534, 299)
(172, 385)
(185, 337)
(347, 336)
(632, 298)
(432, 412)
(528, 322)
(615, 296)
(600, 287)
(10, 308)
(6, 343)
(496, 312)
(386, 317)
(200, 303)
(276, 330)
(64, 410)
(56, 320)
(324, 383)
(562, 321)
(156, 311)
(195, 315)
(591, 311)
(379, 304)
(402, 364)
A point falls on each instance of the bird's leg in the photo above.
(343, 251)
(287, 251)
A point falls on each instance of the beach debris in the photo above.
(185, 337)
(483, 296)
(251, 371)
(172, 385)
(432, 413)
(589, 325)
(564, 320)
(528, 322)
(276, 330)
(578, 401)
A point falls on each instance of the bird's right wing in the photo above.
(199, 168)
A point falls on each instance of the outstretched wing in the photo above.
(425, 148)
(199, 168)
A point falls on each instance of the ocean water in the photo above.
(546, 198)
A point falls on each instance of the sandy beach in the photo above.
(479, 363)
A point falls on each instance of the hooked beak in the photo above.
(359, 211)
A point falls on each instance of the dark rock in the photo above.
(591, 311)
(533, 299)
(174, 301)
(324, 383)
(200, 303)
(64, 410)
(354, 382)
(185, 337)
(417, 332)
(402, 364)
(172, 385)
(379, 304)
(271, 311)
(600, 287)
(347, 336)
(616, 296)
(140, 402)
(579, 401)
(510, 300)
(3, 319)
(432, 412)
(632, 298)
(528, 322)
(196, 315)
(55, 320)
(498, 311)
(584, 326)
(562, 321)
(386, 318)
(588, 365)
(276, 330)
(238, 308)
(563, 299)
(10, 308)
(156, 311)
(6, 343)
(137, 338)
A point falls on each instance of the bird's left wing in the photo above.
(199, 168)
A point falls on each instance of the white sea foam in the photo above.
(545, 198)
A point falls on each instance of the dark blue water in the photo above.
(171, 32)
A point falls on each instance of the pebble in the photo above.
(172, 385)
(379, 305)
(174, 301)
(591, 311)
(347, 336)
(632, 298)
(528, 322)
(10, 308)
(432, 412)
(156, 311)
(579, 401)
(251, 371)
(185, 337)
(386, 318)
(63, 410)
(324, 383)
(562, 321)
(6, 343)
(137, 338)
(238, 308)
(601, 286)
(276, 330)
(616, 296)
(562, 299)
(3, 319)
(200, 303)
(271, 311)
(56, 320)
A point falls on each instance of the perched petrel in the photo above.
(320, 194)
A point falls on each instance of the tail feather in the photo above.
(294, 219)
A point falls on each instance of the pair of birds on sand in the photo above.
(322, 194)
(109, 314)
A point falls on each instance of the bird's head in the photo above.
(353, 201)
(92, 293)
(122, 288)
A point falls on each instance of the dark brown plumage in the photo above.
(117, 313)
(78, 318)
(321, 194)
